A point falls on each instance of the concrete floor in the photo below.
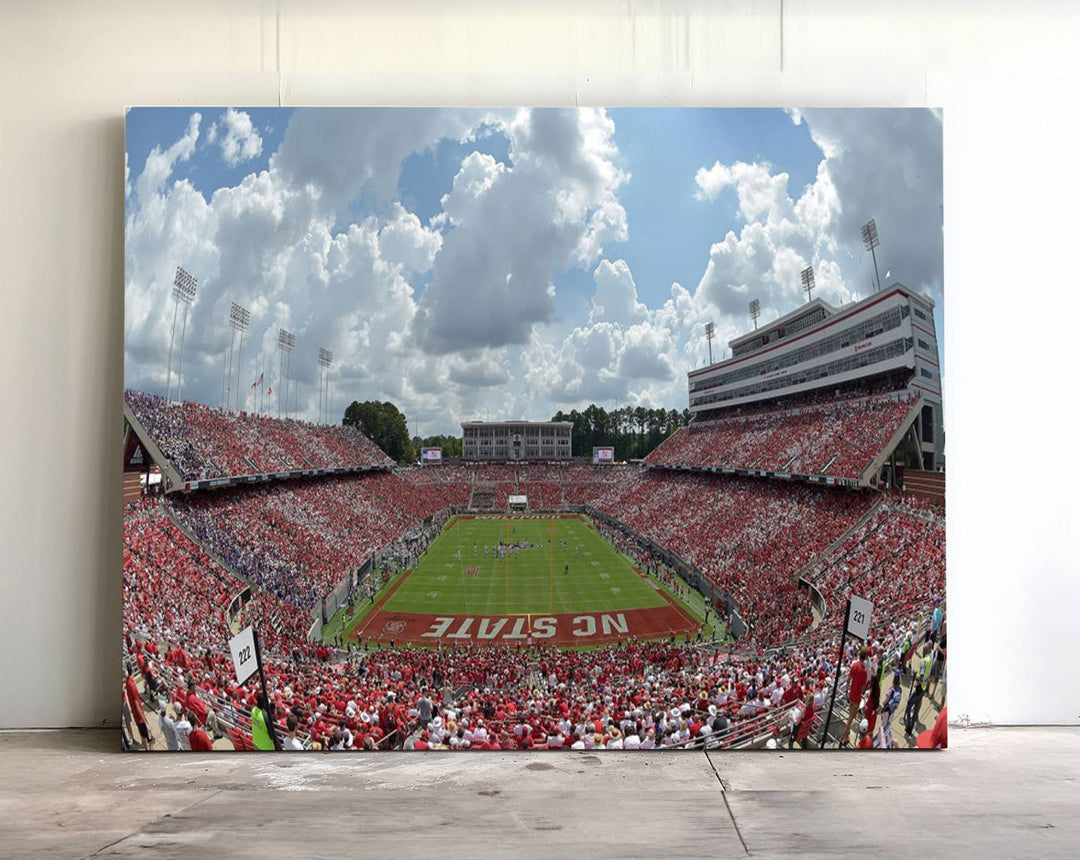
(996, 793)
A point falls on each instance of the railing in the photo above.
(226, 713)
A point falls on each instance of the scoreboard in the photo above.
(603, 455)
(431, 455)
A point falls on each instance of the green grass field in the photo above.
(535, 582)
(568, 568)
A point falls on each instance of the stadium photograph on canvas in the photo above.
(533, 429)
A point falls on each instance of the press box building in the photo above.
(888, 338)
(516, 440)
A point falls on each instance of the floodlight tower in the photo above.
(329, 384)
(871, 241)
(239, 318)
(755, 311)
(807, 276)
(286, 341)
(325, 359)
(184, 286)
(709, 329)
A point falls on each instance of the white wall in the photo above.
(1005, 79)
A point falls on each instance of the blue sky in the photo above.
(670, 231)
(205, 170)
(472, 262)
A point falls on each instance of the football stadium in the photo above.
(512, 600)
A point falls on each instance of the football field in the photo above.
(520, 579)
(560, 565)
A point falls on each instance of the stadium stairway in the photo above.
(801, 574)
(874, 467)
(132, 487)
(482, 497)
(926, 485)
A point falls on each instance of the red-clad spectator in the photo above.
(199, 739)
(131, 691)
(857, 676)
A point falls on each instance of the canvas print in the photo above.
(533, 429)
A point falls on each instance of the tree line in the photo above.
(633, 431)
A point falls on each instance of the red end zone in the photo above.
(584, 628)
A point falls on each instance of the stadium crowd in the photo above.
(638, 695)
(634, 696)
(293, 541)
(202, 442)
(747, 536)
(298, 539)
(836, 438)
(896, 560)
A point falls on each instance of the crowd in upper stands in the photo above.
(837, 438)
(202, 442)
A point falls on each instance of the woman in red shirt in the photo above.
(802, 732)
(131, 690)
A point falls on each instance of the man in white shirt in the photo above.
(168, 727)
(291, 741)
(183, 732)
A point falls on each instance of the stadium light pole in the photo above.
(709, 329)
(239, 318)
(871, 241)
(755, 311)
(226, 379)
(183, 292)
(325, 359)
(807, 276)
(172, 337)
(286, 341)
(329, 361)
(188, 289)
(224, 372)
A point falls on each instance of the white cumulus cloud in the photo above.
(237, 137)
